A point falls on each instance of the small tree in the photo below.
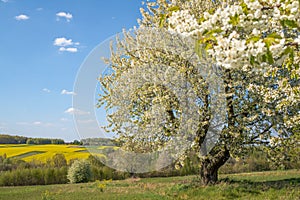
(59, 160)
(79, 172)
(76, 142)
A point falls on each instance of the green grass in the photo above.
(31, 153)
(262, 185)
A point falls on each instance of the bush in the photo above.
(34, 176)
(79, 172)
(59, 160)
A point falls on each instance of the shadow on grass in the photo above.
(230, 188)
(265, 185)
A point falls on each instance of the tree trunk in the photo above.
(211, 164)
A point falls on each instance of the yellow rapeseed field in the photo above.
(43, 152)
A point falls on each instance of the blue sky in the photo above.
(42, 45)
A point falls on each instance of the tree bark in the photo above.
(211, 164)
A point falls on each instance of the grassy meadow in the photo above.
(283, 185)
(43, 152)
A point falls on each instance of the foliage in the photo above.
(9, 139)
(15, 172)
(256, 186)
(252, 46)
(59, 160)
(79, 172)
(44, 141)
(33, 176)
(76, 142)
(98, 142)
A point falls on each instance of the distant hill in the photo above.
(10, 139)
(99, 142)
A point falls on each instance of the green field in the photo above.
(262, 185)
(43, 152)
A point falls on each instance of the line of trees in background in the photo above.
(99, 142)
(9, 139)
(16, 172)
(44, 141)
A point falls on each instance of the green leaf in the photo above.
(252, 60)
(174, 9)
(287, 51)
(273, 73)
(234, 20)
(208, 46)
(162, 20)
(209, 39)
(211, 11)
(269, 41)
(211, 32)
(289, 23)
(269, 57)
(253, 39)
(200, 20)
(291, 55)
(294, 76)
(264, 58)
(274, 35)
(245, 8)
(284, 83)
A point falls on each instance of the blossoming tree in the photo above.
(254, 47)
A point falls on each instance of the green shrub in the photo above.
(34, 176)
(79, 172)
(59, 160)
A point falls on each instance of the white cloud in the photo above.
(74, 111)
(40, 9)
(66, 45)
(4, 1)
(46, 90)
(69, 49)
(68, 16)
(66, 92)
(62, 42)
(36, 123)
(21, 17)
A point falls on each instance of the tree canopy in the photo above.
(193, 69)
